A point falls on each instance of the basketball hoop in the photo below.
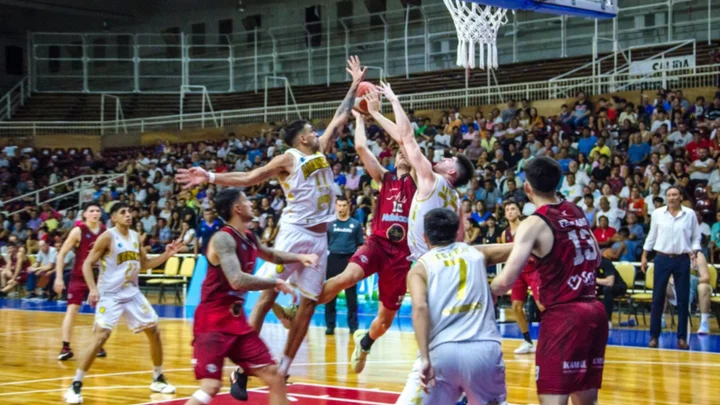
(476, 23)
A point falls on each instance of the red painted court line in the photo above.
(302, 394)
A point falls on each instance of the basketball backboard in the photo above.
(577, 8)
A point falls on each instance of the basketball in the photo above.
(360, 103)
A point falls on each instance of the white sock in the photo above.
(79, 375)
(704, 317)
(157, 370)
(285, 365)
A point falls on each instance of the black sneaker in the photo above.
(330, 331)
(102, 353)
(65, 354)
(238, 385)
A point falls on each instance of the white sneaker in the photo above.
(72, 397)
(359, 355)
(704, 328)
(525, 348)
(162, 386)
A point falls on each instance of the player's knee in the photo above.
(211, 387)
(307, 308)
(517, 306)
(102, 335)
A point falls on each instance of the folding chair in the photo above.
(644, 298)
(171, 270)
(186, 272)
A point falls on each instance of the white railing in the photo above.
(701, 76)
(81, 185)
(15, 98)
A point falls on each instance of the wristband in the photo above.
(211, 177)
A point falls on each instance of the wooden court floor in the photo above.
(30, 373)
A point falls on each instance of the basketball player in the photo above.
(454, 319)
(528, 279)
(385, 252)
(308, 181)
(574, 330)
(220, 328)
(82, 237)
(117, 293)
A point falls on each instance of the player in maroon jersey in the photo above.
(385, 252)
(528, 279)
(221, 328)
(82, 237)
(574, 330)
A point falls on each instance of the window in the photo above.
(76, 53)
(13, 60)
(344, 9)
(251, 23)
(53, 56)
(415, 13)
(123, 49)
(198, 39)
(376, 7)
(225, 30)
(313, 25)
(99, 52)
(172, 39)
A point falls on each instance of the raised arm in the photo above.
(368, 159)
(70, 242)
(195, 176)
(401, 119)
(224, 247)
(525, 240)
(373, 102)
(417, 283)
(343, 112)
(102, 243)
(496, 253)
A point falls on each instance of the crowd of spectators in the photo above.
(619, 156)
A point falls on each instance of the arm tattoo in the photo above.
(225, 248)
(278, 256)
(348, 103)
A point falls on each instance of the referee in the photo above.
(675, 238)
(344, 237)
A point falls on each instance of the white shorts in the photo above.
(474, 368)
(139, 314)
(296, 239)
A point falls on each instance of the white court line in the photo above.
(116, 387)
(20, 332)
(353, 401)
(180, 399)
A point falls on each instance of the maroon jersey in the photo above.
(221, 306)
(87, 241)
(567, 273)
(509, 236)
(390, 220)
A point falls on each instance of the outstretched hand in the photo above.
(387, 91)
(174, 247)
(373, 101)
(192, 177)
(355, 70)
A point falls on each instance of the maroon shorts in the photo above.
(77, 291)
(210, 349)
(527, 279)
(571, 348)
(389, 261)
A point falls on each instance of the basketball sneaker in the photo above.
(102, 353)
(359, 354)
(161, 386)
(285, 314)
(704, 328)
(525, 348)
(65, 354)
(238, 385)
(73, 394)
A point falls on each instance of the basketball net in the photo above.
(476, 23)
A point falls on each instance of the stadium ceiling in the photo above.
(115, 10)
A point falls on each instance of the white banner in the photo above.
(649, 66)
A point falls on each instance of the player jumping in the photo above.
(454, 319)
(82, 237)
(308, 183)
(220, 327)
(574, 330)
(117, 293)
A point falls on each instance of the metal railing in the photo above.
(14, 98)
(81, 185)
(700, 76)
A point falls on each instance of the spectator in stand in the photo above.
(510, 112)
(682, 137)
(610, 285)
(604, 232)
(582, 110)
(587, 142)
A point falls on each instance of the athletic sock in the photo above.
(704, 317)
(66, 345)
(527, 337)
(366, 342)
(79, 375)
(157, 372)
(285, 364)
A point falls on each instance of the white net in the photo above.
(476, 23)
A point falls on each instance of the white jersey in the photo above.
(459, 297)
(121, 266)
(443, 195)
(309, 191)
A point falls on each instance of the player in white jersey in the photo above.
(454, 319)
(308, 182)
(435, 185)
(117, 293)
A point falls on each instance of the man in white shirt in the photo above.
(581, 178)
(675, 237)
(11, 149)
(614, 215)
(571, 190)
(154, 172)
(655, 192)
(701, 169)
(44, 263)
(148, 221)
(681, 137)
(714, 180)
(662, 119)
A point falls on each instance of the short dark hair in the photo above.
(91, 204)
(441, 226)
(225, 200)
(658, 200)
(292, 131)
(342, 198)
(117, 207)
(465, 170)
(543, 174)
(676, 187)
(624, 231)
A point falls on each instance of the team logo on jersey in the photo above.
(363, 258)
(87, 236)
(236, 308)
(395, 233)
(302, 160)
(120, 245)
(243, 247)
(279, 268)
(211, 368)
(101, 310)
(537, 372)
(135, 245)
